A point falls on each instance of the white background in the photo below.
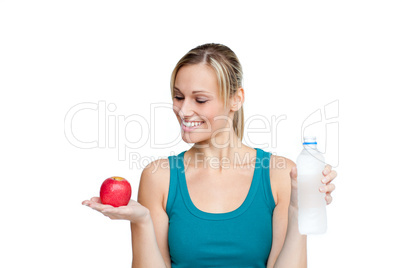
(297, 58)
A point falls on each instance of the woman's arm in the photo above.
(150, 239)
(145, 248)
(294, 250)
(288, 246)
(149, 221)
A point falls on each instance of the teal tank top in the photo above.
(240, 238)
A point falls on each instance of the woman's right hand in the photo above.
(134, 211)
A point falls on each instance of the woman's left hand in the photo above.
(329, 176)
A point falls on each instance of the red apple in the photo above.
(115, 191)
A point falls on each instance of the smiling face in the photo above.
(196, 99)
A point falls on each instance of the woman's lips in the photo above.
(187, 129)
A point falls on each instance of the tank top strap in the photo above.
(266, 179)
(173, 184)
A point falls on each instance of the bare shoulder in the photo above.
(157, 167)
(155, 180)
(281, 164)
(279, 171)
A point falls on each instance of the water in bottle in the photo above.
(312, 205)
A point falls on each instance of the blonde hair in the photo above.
(228, 71)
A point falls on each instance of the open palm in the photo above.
(133, 212)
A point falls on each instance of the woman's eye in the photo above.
(199, 101)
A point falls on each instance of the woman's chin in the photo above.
(190, 137)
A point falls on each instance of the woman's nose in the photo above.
(186, 109)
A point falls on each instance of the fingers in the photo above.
(328, 198)
(327, 188)
(95, 204)
(96, 199)
(327, 170)
(330, 176)
(111, 212)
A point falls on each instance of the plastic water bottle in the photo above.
(312, 205)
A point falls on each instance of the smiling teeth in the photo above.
(192, 124)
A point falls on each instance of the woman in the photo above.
(221, 203)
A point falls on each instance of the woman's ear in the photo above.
(237, 100)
